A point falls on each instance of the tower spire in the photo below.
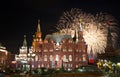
(80, 26)
(80, 32)
(75, 37)
(91, 56)
(24, 41)
(91, 53)
(38, 29)
(109, 46)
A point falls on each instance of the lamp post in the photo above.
(31, 55)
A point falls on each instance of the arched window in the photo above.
(64, 49)
(51, 57)
(84, 57)
(51, 50)
(70, 49)
(45, 57)
(45, 50)
(36, 58)
(84, 50)
(57, 57)
(70, 57)
(64, 58)
(76, 58)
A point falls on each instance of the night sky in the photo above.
(19, 17)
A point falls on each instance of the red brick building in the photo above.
(65, 53)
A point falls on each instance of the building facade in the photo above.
(22, 58)
(4, 57)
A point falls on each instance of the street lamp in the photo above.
(31, 55)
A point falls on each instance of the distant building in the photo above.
(3, 56)
(22, 58)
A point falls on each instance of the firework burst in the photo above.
(94, 27)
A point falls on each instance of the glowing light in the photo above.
(94, 27)
(96, 38)
(118, 64)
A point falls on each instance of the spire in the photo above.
(25, 42)
(109, 34)
(109, 47)
(109, 37)
(91, 56)
(74, 38)
(91, 53)
(38, 29)
(80, 32)
(80, 26)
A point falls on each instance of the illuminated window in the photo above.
(45, 57)
(51, 50)
(32, 66)
(36, 39)
(51, 57)
(76, 66)
(83, 50)
(80, 59)
(70, 57)
(77, 50)
(64, 58)
(38, 65)
(76, 59)
(39, 50)
(70, 41)
(64, 49)
(57, 57)
(70, 49)
(84, 57)
(36, 58)
(45, 50)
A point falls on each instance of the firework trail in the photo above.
(94, 27)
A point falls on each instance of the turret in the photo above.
(38, 33)
(109, 46)
(24, 41)
(37, 40)
(91, 56)
(80, 33)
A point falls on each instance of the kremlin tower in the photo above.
(109, 50)
(37, 40)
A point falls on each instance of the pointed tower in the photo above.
(74, 38)
(109, 46)
(80, 34)
(109, 50)
(38, 33)
(37, 39)
(24, 41)
(91, 56)
(23, 49)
